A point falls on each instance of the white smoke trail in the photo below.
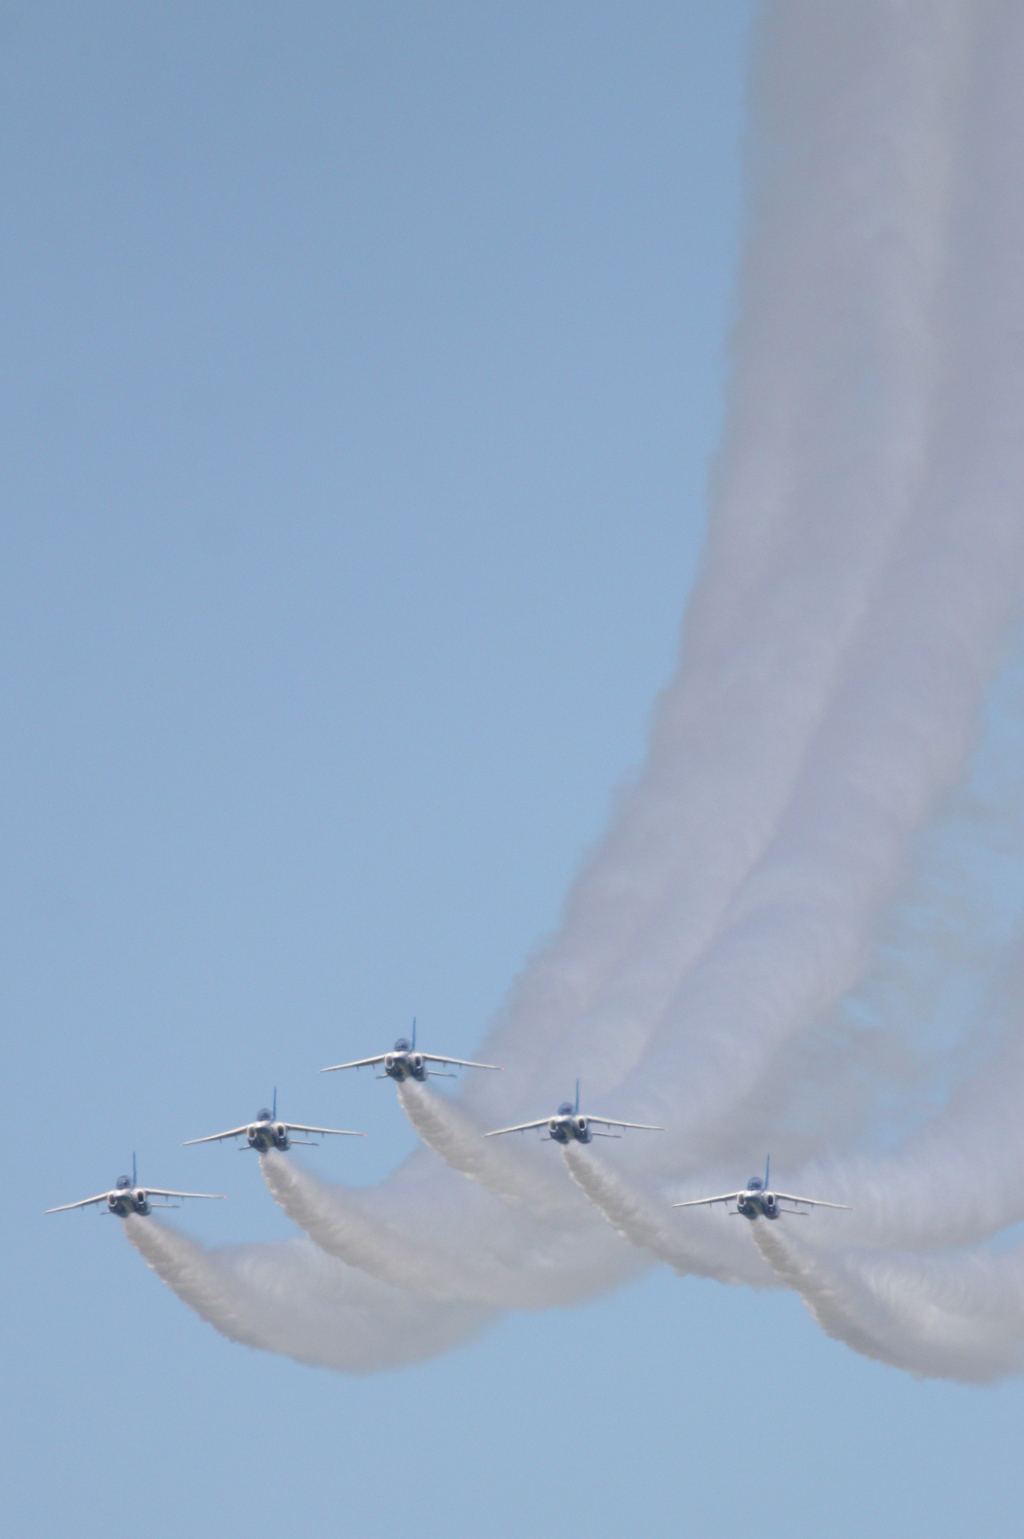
(959, 1316)
(334, 1220)
(827, 1303)
(864, 568)
(653, 1227)
(504, 1169)
(289, 1297)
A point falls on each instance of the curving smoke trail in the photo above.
(346, 1319)
(503, 1169)
(650, 1225)
(335, 1220)
(725, 964)
(834, 1311)
(958, 1316)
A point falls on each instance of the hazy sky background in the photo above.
(364, 366)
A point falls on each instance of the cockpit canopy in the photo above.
(264, 1114)
(403, 1045)
(123, 1182)
(755, 1184)
(566, 1109)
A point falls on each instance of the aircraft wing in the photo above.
(85, 1203)
(700, 1202)
(213, 1138)
(357, 1063)
(464, 1063)
(607, 1122)
(812, 1202)
(300, 1127)
(156, 1191)
(520, 1127)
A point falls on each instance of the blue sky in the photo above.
(364, 367)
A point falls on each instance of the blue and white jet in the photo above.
(406, 1062)
(129, 1197)
(757, 1200)
(570, 1125)
(266, 1132)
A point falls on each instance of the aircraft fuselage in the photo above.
(128, 1199)
(566, 1129)
(758, 1205)
(265, 1134)
(404, 1064)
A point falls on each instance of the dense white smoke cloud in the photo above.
(735, 962)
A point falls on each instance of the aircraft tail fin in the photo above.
(135, 1179)
(767, 1173)
(577, 1096)
(414, 1033)
(273, 1114)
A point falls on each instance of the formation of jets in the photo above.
(567, 1125)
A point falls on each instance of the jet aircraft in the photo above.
(405, 1062)
(757, 1200)
(267, 1133)
(129, 1197)
(568, 1124)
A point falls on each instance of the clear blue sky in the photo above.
(363, 365)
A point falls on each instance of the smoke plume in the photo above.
(799, 933)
